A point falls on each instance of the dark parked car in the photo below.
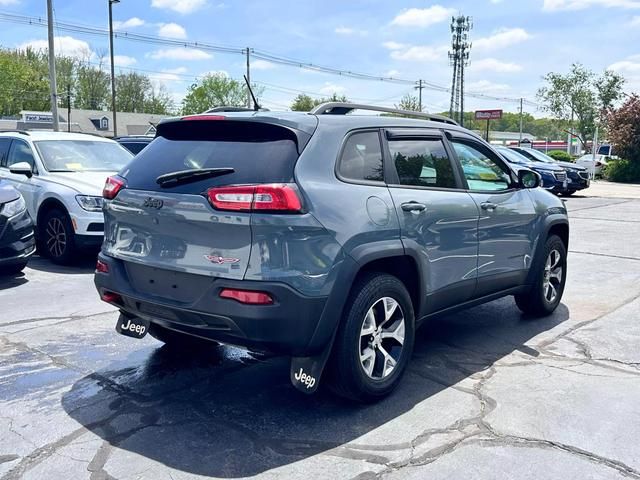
(577, 176)
(553, 177)
(134, 143)
(323, 236)
(17, 241)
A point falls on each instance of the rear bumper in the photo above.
(286, 327)
(17, 240)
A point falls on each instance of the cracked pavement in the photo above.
(488, 395)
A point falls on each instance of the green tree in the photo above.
(93, 86)
(66, 72)
(409, 102)
(131, 91)
(158, 101)
(581, 99)
(216, 90)
(304, 103)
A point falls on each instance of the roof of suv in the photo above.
(47, 135)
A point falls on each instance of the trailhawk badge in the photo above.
(221, 260)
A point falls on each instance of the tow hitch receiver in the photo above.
(132, 326)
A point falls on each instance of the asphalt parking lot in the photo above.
(488, 395)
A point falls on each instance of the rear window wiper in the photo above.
(187, 176)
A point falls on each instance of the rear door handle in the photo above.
(413, 207)
(488, 206)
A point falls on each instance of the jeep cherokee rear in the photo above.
(328, 238)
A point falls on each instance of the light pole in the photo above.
(113, 75)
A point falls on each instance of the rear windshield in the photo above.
(258, 153)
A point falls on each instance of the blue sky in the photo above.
(515, 42)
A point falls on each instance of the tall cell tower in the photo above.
(459, 58)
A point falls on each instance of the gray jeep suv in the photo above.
(323, 236)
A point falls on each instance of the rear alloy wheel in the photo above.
(549, 281)
(57, 237)
(375, 339)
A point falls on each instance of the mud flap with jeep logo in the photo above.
(306, 371)
(132, 326)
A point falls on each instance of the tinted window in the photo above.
(82, 155)
(362, 158)
(134, 147)
(481, 169)
(258, 153)
(20, 152)
(422, 163)
(4, 151)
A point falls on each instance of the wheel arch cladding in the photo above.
(562, 231)
(49, 204)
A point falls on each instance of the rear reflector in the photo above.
(112, 186)
(102, 267)
(247, 296)
(110, 297)
(281, 198)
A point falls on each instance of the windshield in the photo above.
(512, 156)
(82, 155)
(539, 156)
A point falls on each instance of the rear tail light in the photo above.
(283, 198)
(112, 186)
(102, 267)
(247, 296)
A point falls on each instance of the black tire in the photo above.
(538, 301)
(569, 193)
(13, 269)
(179, 341)
(56, 237)
(346, 371)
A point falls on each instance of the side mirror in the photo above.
(528, 178)
(21, 168)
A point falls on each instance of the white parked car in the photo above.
(587, 162)
(61, 176)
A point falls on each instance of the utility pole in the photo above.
(248, 51)
(459, 58)
(520, 141)
(113, 69)
(419, 88)
(68, 107)
(52, 68)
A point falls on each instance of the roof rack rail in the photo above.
(233, 109)
(342, 108)
(23, 132)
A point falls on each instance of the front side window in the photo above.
(4, 151)
(361, 158)
(82, 155)
(422, 163)
(482, 172)
(20, 152)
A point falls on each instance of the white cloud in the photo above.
(392, 73)
(487, 86)
(169, 75)
(180, 6)
(629, 65)
(6, 3)
(67, 46)
(331, 88)
(180, 54)
(423, 17)
(172, 30)
(502, 38)
(123, 61)
(261, 65)
(350, 31)
(556, 5)
(131, 23)
(494, 65)
(419, 53)
(634, 22)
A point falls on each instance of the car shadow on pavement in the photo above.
(228, 413)
(84, 263)
(12, 280)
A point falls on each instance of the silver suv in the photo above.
(326, 236)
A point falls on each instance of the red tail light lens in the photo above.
(102, 267)
(247, 296)
(110, 297)
(283, 198)
(112, 186)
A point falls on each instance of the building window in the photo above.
(104, 123)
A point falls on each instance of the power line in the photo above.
(256, 53)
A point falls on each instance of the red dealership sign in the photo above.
(488, 114)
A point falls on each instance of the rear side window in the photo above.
(258, 153)
(4, 151)
(361, 159)
(422, 163)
